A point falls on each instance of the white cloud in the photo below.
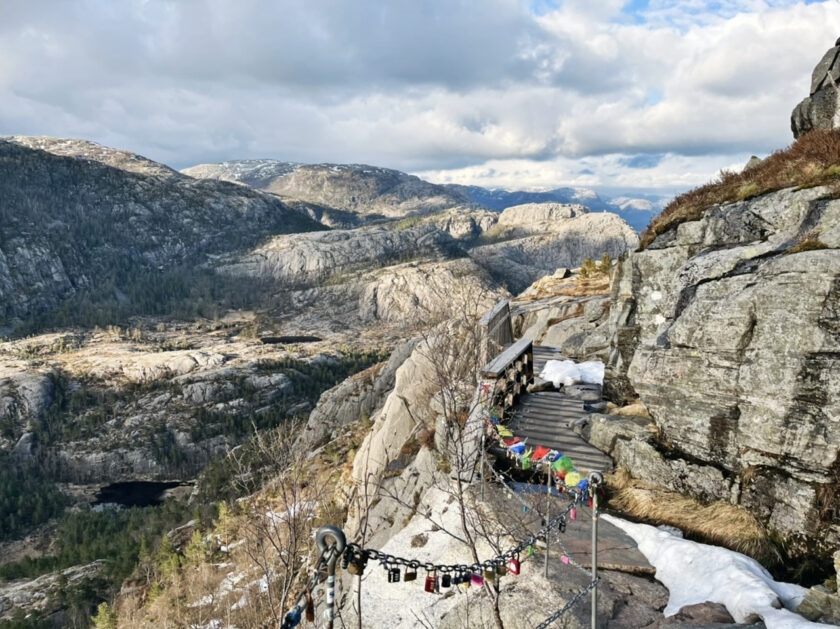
(458, 89)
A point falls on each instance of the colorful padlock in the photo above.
(513, 565)
(431, 582)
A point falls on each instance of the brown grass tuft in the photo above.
(813, 160)
(719, 523)
(809, 241)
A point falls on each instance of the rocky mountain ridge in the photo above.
(368, 191)
(344, 195)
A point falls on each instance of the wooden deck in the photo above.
(543, 417)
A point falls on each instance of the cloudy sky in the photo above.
(524, 94)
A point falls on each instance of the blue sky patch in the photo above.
(635, 10)
(642, 160)
(541, 7)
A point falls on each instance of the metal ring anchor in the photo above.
(330, 531)
(596, 478)
(334, 550)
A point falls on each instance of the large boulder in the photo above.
(821, 108)
(729, 333)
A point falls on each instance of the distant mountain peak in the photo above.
(85, 149)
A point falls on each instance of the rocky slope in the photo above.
(77, 216)
(728, 333)
(367, 191)
(154, 404)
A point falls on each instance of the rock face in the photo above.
(730, 337)
(545, 239)
(308, 257)
(530, 216)
(820, 109)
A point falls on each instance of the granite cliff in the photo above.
(726, 327)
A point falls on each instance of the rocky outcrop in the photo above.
(464, 224)
(821, 108)
(353, 400)
(529, 217)
(46, 595)
(316, 256)
(578, 324)
(553, 243)
(726, 327)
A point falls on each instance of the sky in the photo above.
(516, 94)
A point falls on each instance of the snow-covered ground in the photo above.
(696, 573)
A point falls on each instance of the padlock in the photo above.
(476, 579)
(431, 582)
(501, 569)
(446, 580)
(466, 577)
(357, 564)
(513, 565)
(564, 559)
(562, 525)
(490, 574)
(410, 574)
(393, 575)
(573, 514)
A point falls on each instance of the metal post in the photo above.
(335, 552)
(595, 479)
(547, 515)
(483, 462)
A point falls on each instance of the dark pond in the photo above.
(274, 340)
(134, 493)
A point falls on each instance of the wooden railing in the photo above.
(497, 330)
(511, 372)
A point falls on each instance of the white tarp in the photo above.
(568, 372)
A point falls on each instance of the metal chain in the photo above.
(354, 550)
(572, 602)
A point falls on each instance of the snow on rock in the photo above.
(404, 604)
(568, 372)
(696, 573)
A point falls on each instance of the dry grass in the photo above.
(719, 523)
(809, 241)
(636, 409)
(813, 160)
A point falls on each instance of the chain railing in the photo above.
(355, 557)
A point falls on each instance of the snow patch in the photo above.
(695, 573)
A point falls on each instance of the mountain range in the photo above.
(350, 187)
